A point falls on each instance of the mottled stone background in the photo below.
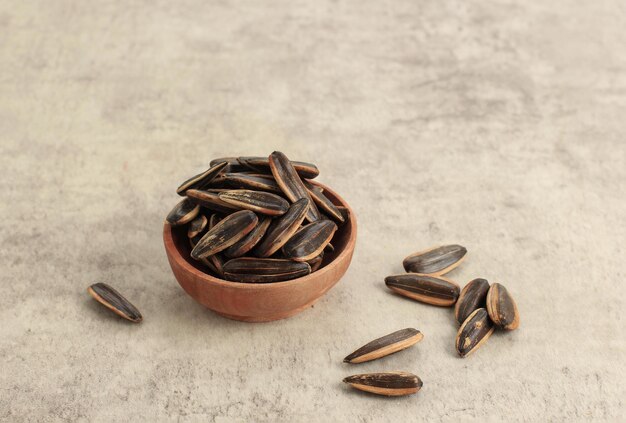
(499, 125)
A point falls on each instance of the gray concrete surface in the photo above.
(499, 125)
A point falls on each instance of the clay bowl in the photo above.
(260, 302)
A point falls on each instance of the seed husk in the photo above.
(263, 270)
(386, 345)
(253, 182)
(257, 201)
(224, 234)
(197, 226)
(502, 308)
(389, 383)
(425, 288)
(435, 261)
(232, 164)
(202, 179)
(474, 331)
(248, 242)
(183, 212)
(472, 297)
(316, 262)
(211, 201)
(282, 228)
(305, 170)
(115, 302)
(310, 240)
(290, 183)
(324, 203)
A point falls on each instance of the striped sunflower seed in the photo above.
(253, 182)
(248, 242)
(472, 297)
(389, 384)
(310, 240)
(425, 288)
(257, 201)
(197, 226)
(211, 201)
(435, 261)
(232, 164)
(263, 270)
(305, 170)
(323, 203)
(290, 183)
(201, 179)
(228, 231)
(183, 212)
(282, 228)
(502, 308)
(386, 345)
(115, 302)
(474, 331)
(316, 262)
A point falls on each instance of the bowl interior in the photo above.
(339, 241)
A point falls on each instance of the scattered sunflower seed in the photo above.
(472, 297)
(425, 288)
(435, 261)
(114, 301)
(386, 345)
(502, 308)
(389, 384)
(474, 331)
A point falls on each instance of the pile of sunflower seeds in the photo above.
(479, 308)
(244, 218)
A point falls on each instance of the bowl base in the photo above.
(266, 318)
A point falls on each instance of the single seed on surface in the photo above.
(386, 345)
(114, 301)
(389, 384)
(435, 261)
(472, 297)
(474, 331)
(502, 308)
(425, 288)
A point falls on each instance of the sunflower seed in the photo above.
(282, 228)
(248, 242)
(114, 301)
(474, 331)
(232, 164)
(208, 263)
(323, 202)
(254, 182)
(502, 308)
(218, 263)
(305, 170)
(183, 212)
(316, 262)
(211, 201)
(263, 270)
(386, 345)
(290, 183)
(201, 179)
(345, 213)
(228, 231)
(329, 248)
(310, 240)
(389, 384)
(425, 288)
(472, 296)
(257, 201)
(214, 220)
(435, 261)
(197, 226)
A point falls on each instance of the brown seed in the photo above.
(305, 170)
(435, 261)
(228, 231)
(345, 213)
(248, 242)
(290, 183)
(323, 202)
(232, 164)
(329, 248)
(201, 179)
(282, 228)
(208, 263)
(474, 331)
(257, 201)
(183, 212)
(211, 201)
(386, 345)
(114, 301)
(502, 308)
(218, 263)
(253, 182)
(215, 218)
(425, 288)
(390, 383)
(310, 240)
(263, 270)
(316, 262)
(197, 226)
(472, 297)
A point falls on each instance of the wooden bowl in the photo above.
(260, 302)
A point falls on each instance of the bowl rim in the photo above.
(175, 255)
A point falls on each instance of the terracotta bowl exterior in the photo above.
(261, 302)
